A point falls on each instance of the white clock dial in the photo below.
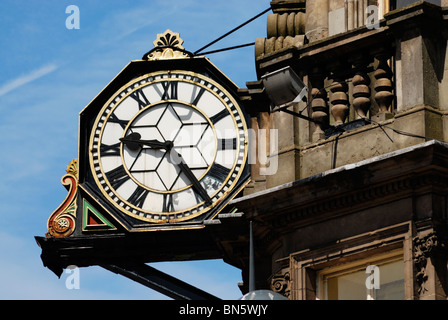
(168, 146)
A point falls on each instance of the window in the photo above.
(379, 280)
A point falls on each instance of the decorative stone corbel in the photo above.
(281, 283)
(424, 249)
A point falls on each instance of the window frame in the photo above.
(330, 272)
(305, 265)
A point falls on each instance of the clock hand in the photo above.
(133, 142)
(190, 175)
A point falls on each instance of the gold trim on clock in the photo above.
(188, 77)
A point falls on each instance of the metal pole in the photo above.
(159, 281)
(251, 261)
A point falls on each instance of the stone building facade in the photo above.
(357, 208)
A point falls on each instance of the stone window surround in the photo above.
(353, 266)
(392, 243)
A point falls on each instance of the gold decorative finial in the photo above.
(168, 45)
(169, 38)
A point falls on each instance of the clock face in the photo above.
(168, 146)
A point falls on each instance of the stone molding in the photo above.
(350, 188)
(285, 28)
(386, 243)
(425, 247)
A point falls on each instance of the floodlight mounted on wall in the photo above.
(284, 87)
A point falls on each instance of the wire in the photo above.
(373, 121)
(381, 126)
(300, 115)
(404, 133)
(229, 48)
(284, 109)
(232, 31)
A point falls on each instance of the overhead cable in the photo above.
(232, 31)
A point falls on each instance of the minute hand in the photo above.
(196, 184)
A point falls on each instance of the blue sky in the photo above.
(48, 74)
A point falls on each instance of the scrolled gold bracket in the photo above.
(62, 221)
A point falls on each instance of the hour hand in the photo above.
(134, 143)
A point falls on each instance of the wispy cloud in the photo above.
(22, 80)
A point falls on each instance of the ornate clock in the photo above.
(168, 145)
(164, 146)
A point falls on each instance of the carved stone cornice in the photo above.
(254, 98)
(285, 28)
(351, 188)
(287, 6)
(357, 199)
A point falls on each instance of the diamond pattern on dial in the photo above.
(191, 135)
(147, 126)
(169, 124)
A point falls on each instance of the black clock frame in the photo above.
(87, 118)
(112, 244)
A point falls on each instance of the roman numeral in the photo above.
(195, 99)
(140, 97)
(227, 144)
(168, 204)
(169, 90)
(138, 197)
(110, 150)
(117, 177)
(123, 123)
(223, 113)
(219, 172)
